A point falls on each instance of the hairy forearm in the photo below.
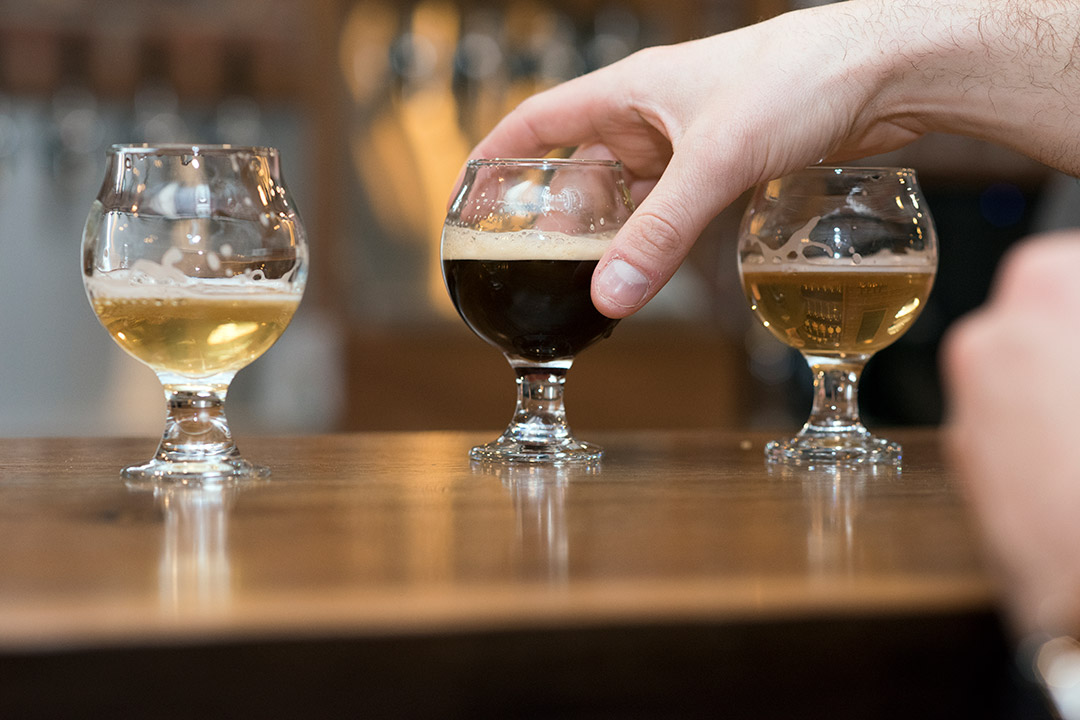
(1006, 71)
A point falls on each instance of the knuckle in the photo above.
(661, 238)
(1040, 268)
(959, 346)
(965, 350)
(648, 57)
(530, 103)
(525, 116)
(1026, 265)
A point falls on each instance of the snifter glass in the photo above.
(837, 262)
(519, 247)
(194, 260)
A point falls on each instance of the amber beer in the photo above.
(194, 334)
(838, 311)
(526, 292)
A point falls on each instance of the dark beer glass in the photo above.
(519, 247)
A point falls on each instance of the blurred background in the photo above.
(374, 105)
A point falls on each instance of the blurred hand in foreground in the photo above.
(1013, 373)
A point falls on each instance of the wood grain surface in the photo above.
(376, 534)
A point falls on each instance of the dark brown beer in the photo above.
(528, 303)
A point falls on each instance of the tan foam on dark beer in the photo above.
(464, 244)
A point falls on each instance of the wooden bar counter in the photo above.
(384, 575)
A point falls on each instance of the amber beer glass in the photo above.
(837, 263)
(519, 247)
(194, 260)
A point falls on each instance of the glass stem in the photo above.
(540, 416)
(196, 427)
(836, 395)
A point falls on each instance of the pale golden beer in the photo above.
(837, 311)
(197, 335)
(194, 259)
(837, 262)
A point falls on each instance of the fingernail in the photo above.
(621, 284)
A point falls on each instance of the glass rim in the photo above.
(189, 149)
(546, 163)
(839, 169)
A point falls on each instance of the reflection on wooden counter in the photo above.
(365, 533)
(682, 547)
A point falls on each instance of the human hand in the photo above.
(696, 124)
(1014, 389)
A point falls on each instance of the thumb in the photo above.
(657, 237)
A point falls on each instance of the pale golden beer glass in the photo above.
(194, 260)
(837, 262)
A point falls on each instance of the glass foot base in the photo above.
(509, 450)
(834, 450)
(195, 473)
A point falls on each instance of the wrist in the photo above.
(928, 58)
(1000, 71)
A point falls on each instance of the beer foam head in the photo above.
(801, 252)
(880, 263)
(123, 284)
(464, 244)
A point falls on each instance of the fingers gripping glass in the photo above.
(837, 263)
(519, 247)
(194, 260)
